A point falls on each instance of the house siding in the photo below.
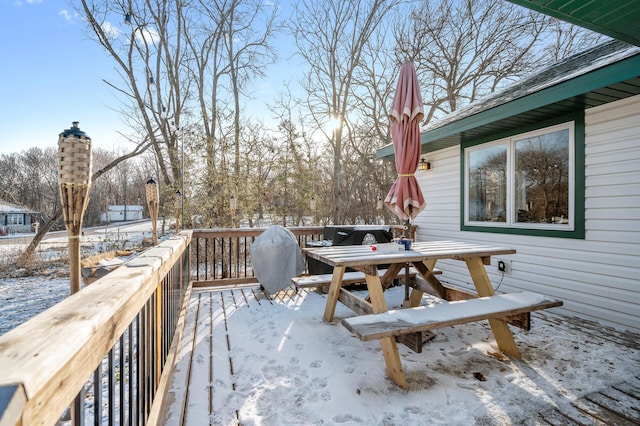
(597, 278)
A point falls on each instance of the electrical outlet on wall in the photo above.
(503, 265)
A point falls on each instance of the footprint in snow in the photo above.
(344, 418)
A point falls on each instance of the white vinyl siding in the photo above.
(598, 277)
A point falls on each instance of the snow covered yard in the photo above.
(249, 360)
(22, 297)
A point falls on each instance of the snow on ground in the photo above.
(25, 297)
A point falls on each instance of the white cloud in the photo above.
(141, 33)
(110, 30)
(150, 35)
(66, 15)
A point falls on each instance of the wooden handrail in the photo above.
(252, 232)
(51, 356)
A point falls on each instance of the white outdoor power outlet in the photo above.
(503, 265)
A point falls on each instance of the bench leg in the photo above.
(334, 293)
(389, 346)
(392, 361)
(501, 331)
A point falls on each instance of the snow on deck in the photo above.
(246, 359)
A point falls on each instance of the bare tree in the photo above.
(465, 49)
(145, 39)
(184, 65)
(29, 180)
(235, 51)
(566, 39)
(330, 36)
(298, 156)
(375, 82)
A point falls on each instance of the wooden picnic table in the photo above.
(423, 257)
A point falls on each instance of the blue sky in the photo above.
(51, 75)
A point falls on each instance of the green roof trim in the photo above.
(615, 18)
(600, 75)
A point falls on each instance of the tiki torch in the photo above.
(74, 183)
(153, 200)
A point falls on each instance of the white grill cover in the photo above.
(276, 258)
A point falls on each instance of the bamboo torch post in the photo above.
(153, 200)
(74, 184)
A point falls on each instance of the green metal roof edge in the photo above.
(624, 36)
(385, 151)
(595, 79)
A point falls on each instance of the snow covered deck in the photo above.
(249, 359)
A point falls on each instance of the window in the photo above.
(524, 183)
(542, 178)
(15, 219)
(487, 179)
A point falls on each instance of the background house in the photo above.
(14, 218)
(588, 256)
(124, 213)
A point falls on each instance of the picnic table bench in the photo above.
(422, 318)
(349, 278)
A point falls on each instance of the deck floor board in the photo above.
(240, 344)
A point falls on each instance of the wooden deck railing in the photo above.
(99, 356)
(105, 354)
(222, 256)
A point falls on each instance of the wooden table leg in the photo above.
(390, 275)
(334, 292)
(425, 269)
(389, 346)
(500, 329)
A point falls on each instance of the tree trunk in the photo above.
(27, 256)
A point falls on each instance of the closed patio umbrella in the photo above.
(405, 198)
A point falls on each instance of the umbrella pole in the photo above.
(406, 303)
(407, 229)
(406, 285)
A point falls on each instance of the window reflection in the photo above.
(523, 182)
(488, 184)
(542, 178)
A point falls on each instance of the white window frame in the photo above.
(12, 216)
(511, 214)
